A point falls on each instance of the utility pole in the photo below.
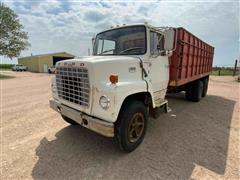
(239, 71)
(235, 68)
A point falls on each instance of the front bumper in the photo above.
(99, 126)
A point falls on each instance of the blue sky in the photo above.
(55, 26)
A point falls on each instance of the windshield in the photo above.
(122, 41)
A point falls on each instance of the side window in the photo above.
(99, 48)
(109, 47)
(106, 46)
(156, 42)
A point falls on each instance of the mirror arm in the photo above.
(175, 39)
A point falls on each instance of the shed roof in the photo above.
(50, 54)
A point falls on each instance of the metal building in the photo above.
(41, 63)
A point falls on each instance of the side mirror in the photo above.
(169, 39)
(166, 53)
(93, 40)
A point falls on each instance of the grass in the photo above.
(5, 69)
(5, 76)
(223, 72)
(6, 66)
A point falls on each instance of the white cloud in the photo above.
(70, 25)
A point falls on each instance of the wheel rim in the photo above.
(135, 127)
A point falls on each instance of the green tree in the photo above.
(13, 39)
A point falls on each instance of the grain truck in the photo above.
(125, 81)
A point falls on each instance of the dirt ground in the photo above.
(193, 141)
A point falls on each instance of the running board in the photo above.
(167, 109)
(155, 113)
(164, 104)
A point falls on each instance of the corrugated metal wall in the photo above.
(30, 62)
(36, 63)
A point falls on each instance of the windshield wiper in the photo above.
(130, 49)
(106, 51)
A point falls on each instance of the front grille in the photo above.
(73, 84)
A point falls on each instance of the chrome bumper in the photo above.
(102, 127)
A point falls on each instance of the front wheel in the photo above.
(132, 125)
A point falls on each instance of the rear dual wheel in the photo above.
(197, 89)
(205, 86)
(194, 91)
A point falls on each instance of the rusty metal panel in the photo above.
(192, 58)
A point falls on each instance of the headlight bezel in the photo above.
(104, 102)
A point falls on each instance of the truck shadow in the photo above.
(192, 134)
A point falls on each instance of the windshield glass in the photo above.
(122, 41)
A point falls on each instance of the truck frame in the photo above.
(115, 91)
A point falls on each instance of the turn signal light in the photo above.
(113, 78)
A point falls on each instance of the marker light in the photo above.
(113, 78)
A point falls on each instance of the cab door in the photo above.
(159, 67)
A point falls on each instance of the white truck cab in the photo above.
(113, 91)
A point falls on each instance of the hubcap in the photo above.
(135, 127)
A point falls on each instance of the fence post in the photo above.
(235, 68)
(219, 72)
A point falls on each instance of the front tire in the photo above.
(132, 125)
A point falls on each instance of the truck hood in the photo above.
(101, 67)
(99, 70)
(99, 59)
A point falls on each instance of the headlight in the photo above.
(104, 102)
(53, 88)
(53, 85)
